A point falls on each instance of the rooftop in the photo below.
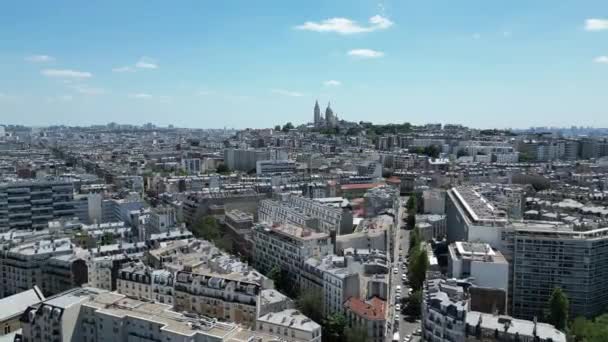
(513, 325)
(374, 309)
(15, 305)
(291, 318)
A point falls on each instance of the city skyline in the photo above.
(209, 66)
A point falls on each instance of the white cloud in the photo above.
(595, 24)
(123, 69)
(39, 59)
(146, 63)
(286, 92)
(346, 26)
(66, 73)
(140, 96)
(332, 83)
(365, 53)
(601, 59)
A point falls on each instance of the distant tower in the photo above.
(317, 114)
(329, 115)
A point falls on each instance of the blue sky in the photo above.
(243, 64)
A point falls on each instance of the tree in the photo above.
(558, 309)
(287, 127)
(277, 128)
(222, 168)
(432, 151)
(310, 303)
(418, 267)
(107, 238)
(414, 304)
(412, 204)
(355, 334)
(281, 280)
(584, 330)
(415, 238)
(206, 228)
(334, 327)
(462, 153)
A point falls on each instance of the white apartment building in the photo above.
(330, 277)
(290, 325)
(444, 308)
(227, 297)
(287, 247)
(192, 165)
(53, 265)
(485, 266)
(336, 218)
(94, 315)
(135, 280)
(163, 283)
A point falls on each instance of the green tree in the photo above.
(280, 279)
(222, 169)
(206, 228)
(411, 221)
(287, 127)
(310, 303)
(583, 330)
(558, 309)
(107, 238)
(355, 334)
(418, 267)
(462, 153)
(413, 304)
(334, 327)
(412, 204)
(277, 128)
(432, 151)
(415, 238)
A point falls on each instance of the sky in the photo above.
(243, 63)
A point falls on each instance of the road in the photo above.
(402, 238)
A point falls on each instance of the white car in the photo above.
(395, 270)
(397, 317)
(398, 307)
(398, 288)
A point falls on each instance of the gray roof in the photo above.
(17, 303)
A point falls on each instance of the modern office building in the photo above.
(31, 204)
(275, 167)
(246, 159)
(484, 266)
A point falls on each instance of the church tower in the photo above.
(317, 114)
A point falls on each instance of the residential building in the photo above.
(287, 247)
(135, 280)
(13, 306)
(227, 297)
(290, 325)
(369, 316)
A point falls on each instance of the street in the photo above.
(404, 327)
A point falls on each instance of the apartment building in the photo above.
(290, 325)
(444, 308)
(307, 212)
(53, 265)
(485, 266)
(14, 306)
(135, 280)
(31, 204)
(227, 297)
(330, 277)
(94, 315)
(287, 247)
(487, 327)
(370, 316)
(163, 283)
